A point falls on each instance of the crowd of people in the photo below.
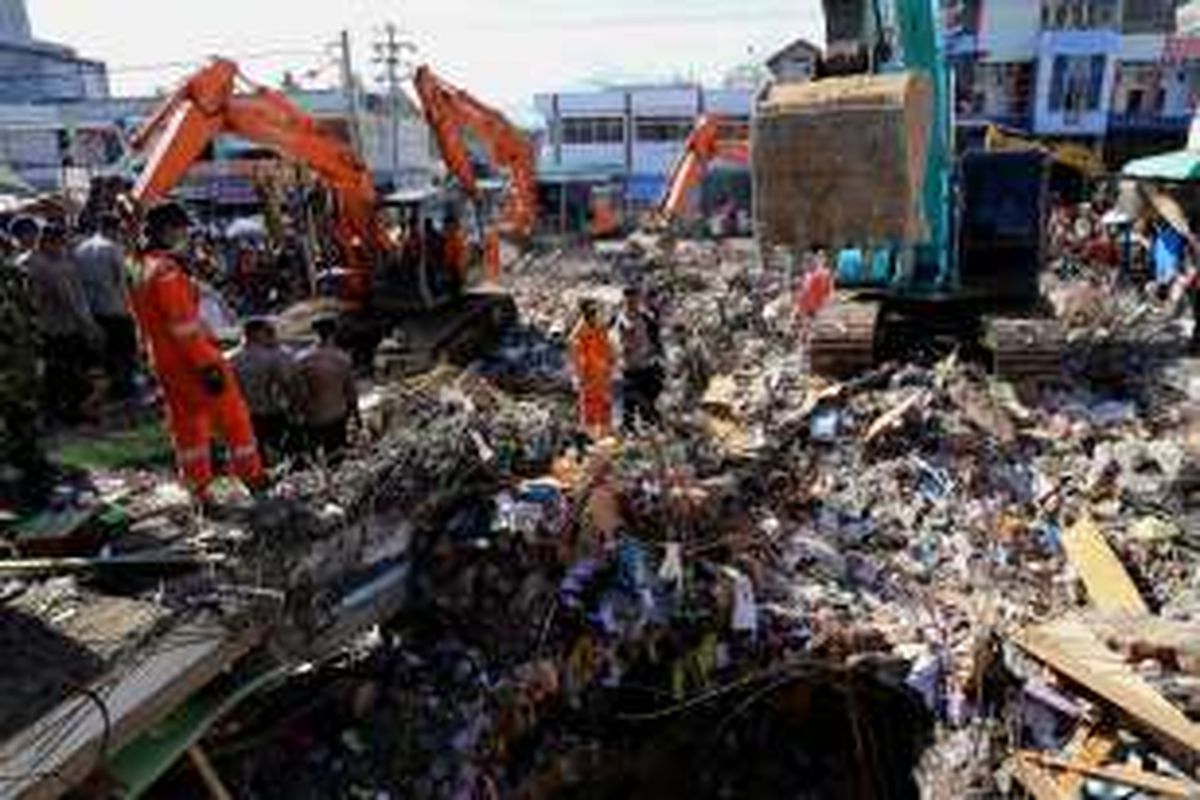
(102, 317)
(1154, 250)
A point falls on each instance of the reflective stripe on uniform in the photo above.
(183, 330)
(190, 455)
(246, 451)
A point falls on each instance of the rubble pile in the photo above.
(830, 589)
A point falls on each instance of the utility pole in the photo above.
(349, 86)
(390, 52)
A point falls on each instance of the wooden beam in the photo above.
(1036, 780)
(140, 694)
(1089, 745)
(1071, 648)
(1129, 776)
(1108, 584)
(208, 774)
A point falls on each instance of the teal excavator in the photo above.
(933, 249)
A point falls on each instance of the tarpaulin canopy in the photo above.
(12, 183)
(1178, 165)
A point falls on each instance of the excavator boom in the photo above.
(450, 112)
(208, 105)
(703, 145)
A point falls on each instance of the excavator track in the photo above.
(1025, 349)
(841, 341)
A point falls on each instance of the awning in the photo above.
(12, 183)
(1179, 165)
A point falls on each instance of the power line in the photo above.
(390, 53)
(84, 68)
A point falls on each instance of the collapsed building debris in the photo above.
(862, 588)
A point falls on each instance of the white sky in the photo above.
(504, 51)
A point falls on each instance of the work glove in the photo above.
(212, 378)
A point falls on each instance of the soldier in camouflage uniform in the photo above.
(23, 467)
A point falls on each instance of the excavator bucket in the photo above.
(841, 161)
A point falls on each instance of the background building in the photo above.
(624, 141)
(59, 126)
(36, 71)
(1116, 74)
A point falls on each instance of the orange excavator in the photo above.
(451, 112)
(704, 144)
(218, 100)
(209, 104)
(708, 141)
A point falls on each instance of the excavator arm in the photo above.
(209, 105)
(703, 145)
(450, 112)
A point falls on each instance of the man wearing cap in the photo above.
(200, 389)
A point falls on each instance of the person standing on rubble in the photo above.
(266, 377)
(642, 360)
(199, 387)
(70, 335)
(100, 260)
(593, 360)
(816, 286)
(328, 394)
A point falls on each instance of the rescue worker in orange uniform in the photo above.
(457, 254)
(200, 389)
(593, 358)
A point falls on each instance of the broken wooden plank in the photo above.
(1129, 776)
(1037, 780)
(163, 674)
(894, 417)
(1108, 584)
(1089, 745)
(1072, 649)
(208, 773)
(27, 567)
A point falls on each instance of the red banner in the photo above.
(1181, 48)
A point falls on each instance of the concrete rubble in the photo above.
(921, 581)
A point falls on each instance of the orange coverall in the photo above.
(815, 290)
(593, 358)
(166, 304)
(491, 256)
(457, 253)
